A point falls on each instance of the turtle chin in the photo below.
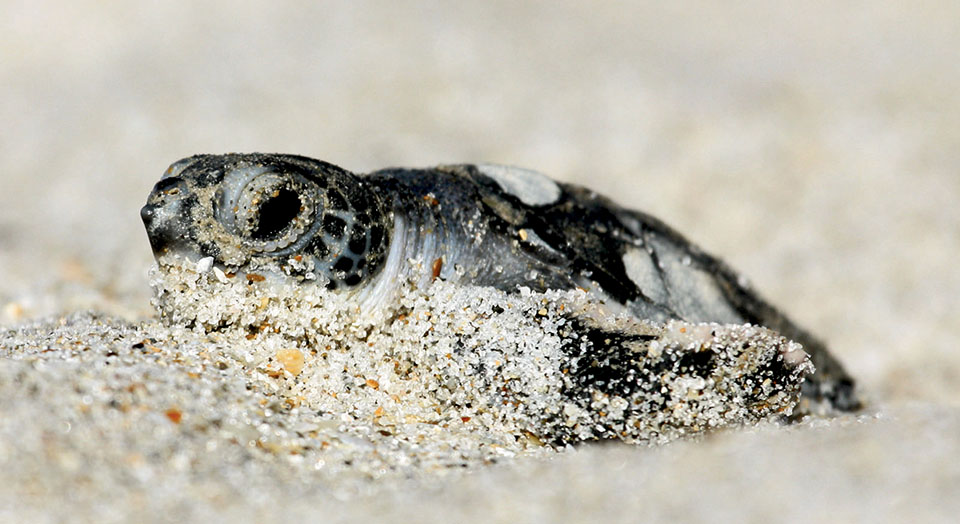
(177, 254)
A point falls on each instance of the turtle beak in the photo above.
(167, 219)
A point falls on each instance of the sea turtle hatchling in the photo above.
(279, 219)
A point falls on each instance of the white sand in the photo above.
(815, 148)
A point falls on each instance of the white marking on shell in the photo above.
(531, 187)
(640, 269)
(694, 293)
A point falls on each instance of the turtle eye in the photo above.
(269, 210)
(276, 213)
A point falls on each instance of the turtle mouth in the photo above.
(167, 219)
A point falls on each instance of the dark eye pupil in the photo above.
(276, 213)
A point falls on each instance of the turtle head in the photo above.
(285, 214)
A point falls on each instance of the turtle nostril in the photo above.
(146, 213)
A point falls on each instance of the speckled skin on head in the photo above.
(297, 218)
(247, 211)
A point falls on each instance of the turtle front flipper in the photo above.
(656, 382)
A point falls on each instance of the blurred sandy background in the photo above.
(813, 146)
